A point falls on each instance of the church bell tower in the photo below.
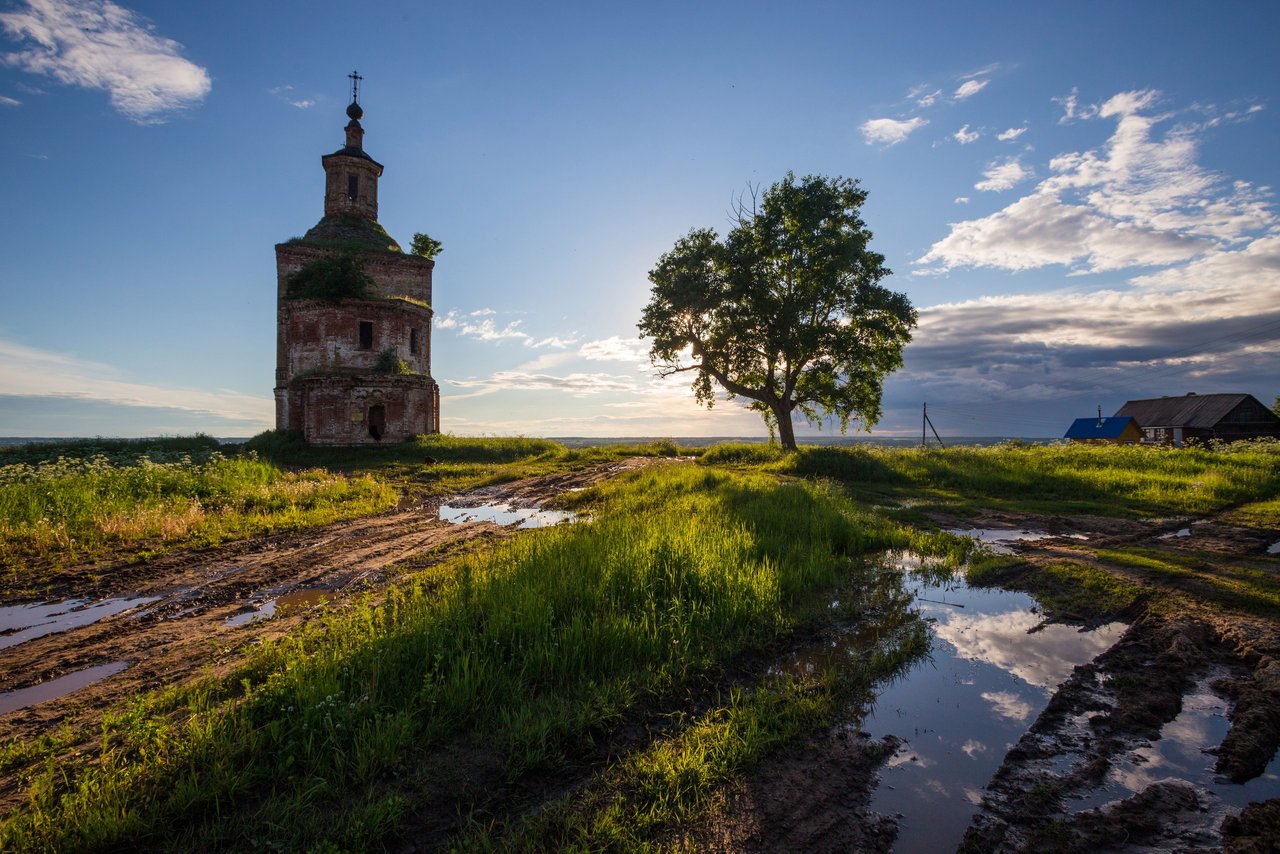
(353, 316)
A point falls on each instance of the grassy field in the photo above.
(499, 680)
(110, 499)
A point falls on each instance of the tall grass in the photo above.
(526, 653)
(76, 508)
(1112, 480)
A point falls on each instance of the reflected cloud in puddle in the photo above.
(11, 701)
(997, 540)
(960, 711)
(1044, 658)
(1181, 754)
(20, 623)
(505, 515)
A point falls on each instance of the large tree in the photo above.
(786, 311)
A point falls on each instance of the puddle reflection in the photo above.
(505, 514)
(968, 703)
(13, 700)
(1180, 754)
(20, 623)
(296, 600)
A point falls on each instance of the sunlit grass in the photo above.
(531, 649)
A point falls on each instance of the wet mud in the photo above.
(186, 615)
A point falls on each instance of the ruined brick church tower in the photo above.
(353, 316)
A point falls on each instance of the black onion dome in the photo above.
(355, 111)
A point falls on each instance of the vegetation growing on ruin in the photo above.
(349, 232)
(389, 362)
(332, 278)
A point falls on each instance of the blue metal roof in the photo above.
(1098, 428)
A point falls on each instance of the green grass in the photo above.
(53, 512)
(1251, 585)
(525, 654)
(1130, 481)
(1067, 590)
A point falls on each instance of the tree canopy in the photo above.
(786, 311)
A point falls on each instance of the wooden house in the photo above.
(1105, 431)
(1228, 417)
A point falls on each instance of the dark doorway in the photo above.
(366, 335)
(377, 421)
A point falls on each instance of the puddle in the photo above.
(1181, 532)
(1180, 754)
(20, 623)
(963, 707)
(505, 514)
(298, 600)
(1274, 548)
(998, 540)
(13, 700)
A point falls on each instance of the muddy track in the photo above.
(188, 614)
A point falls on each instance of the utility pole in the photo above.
(927, 422)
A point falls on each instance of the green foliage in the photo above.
(332, 278)
(1068, 590)
(1059, 479)
(425, 245)
(526, 651)
(786, 311)
(77, 508)
(389, 362)
(1275, 406)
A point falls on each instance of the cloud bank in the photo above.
(96, 44)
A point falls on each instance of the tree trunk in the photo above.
(786, 431)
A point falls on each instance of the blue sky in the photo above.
(1076, 196)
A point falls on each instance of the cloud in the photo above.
(962, 200)
(96, 44)
(577, 384)
(479, 325)
(285, 93)
(890, 131)
(969, 88)
(923, 96)
(615, 349)
(1011, 134)
(1071, 109)
(1003, 175)
(964, 136)
(34, 373)
(1140, 200)
(9, 102)
(1008, 705)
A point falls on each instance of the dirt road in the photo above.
(139, 627)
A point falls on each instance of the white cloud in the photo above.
(285, 93)
(9, 102)
(479, 324)
(1011, 134)
(890, 131)
(923, 96)
(31, 372)
(615, 349)
(969, 88)
(962, 200)
(1008, 705)
(1003, 175)
(96, 44)
(1140, 200)
(1071, 109)
(964, 136)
